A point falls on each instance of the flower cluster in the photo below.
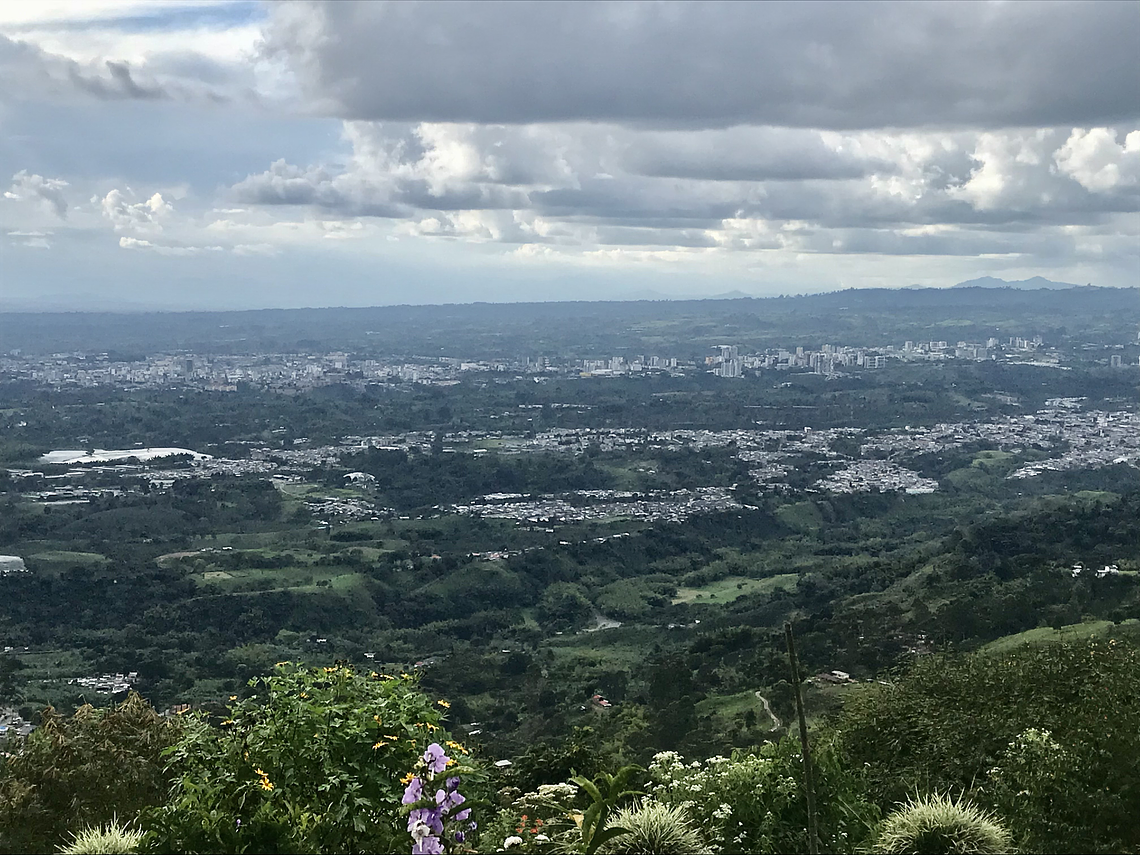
(431, 811)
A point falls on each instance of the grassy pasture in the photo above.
(1073, 632)
(733, 587)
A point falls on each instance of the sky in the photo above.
(221, 155)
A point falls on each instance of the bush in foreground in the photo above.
(940, 825)
(83, 771)
(316, 761)
(654, 829)
(114, 838)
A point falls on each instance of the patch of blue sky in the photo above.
(163, 17)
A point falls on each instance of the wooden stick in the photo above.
(809, 776)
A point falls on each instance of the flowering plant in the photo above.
(753, 802)
(435, 817)
(310, 763)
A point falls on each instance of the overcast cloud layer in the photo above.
(235, 154)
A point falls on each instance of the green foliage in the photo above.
(311, 763)
(114, 838)
(1036, 788)
(605, 793)
(82, 771)
(939, 825)
(753, 802)
(654, 829)
(956, 722)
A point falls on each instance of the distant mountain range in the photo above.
(1035, 284)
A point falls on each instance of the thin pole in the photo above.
(809, 776)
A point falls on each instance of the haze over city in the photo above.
(216, 155)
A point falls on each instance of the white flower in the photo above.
(420, 830)
(542, 838)
(512, 841)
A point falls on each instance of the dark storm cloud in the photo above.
(820, 65)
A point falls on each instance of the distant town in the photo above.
(296, 372)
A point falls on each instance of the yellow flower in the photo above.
(451, 743)
(281, 664)
(407, 779)
(266, 784)
(233, 697)
(390, 736)
(450, 761)
(431, 727)
(329, 670)
(387, 677)
(380, 744)
(444, 704)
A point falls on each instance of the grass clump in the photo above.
(940, 824)
(655, 829)
(114, 838)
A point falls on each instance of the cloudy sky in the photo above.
(240, 154)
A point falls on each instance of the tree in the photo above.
(81, 771)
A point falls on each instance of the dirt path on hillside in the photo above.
(776, 723)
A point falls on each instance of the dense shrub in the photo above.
(754, 802)
(82, 771)
(312, 762)
(1063, 716)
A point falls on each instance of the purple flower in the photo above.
(463, 814)
(452, 783)
(429, 818)
(428, 846)
(452, 800)
(460, 837)
(414, 792)
(435, 759)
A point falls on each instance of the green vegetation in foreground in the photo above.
(322, 760)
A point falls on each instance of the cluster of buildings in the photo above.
(864, 476)
(13, 725)
(602, 505)
(10, 564)
(1062, 435)
(107, 684)
(1077, 439)
(292, 372)
(1101, 572)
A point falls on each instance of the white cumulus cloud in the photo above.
(1096, 161)
(48, 191)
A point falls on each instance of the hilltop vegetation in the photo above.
(314, 760)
